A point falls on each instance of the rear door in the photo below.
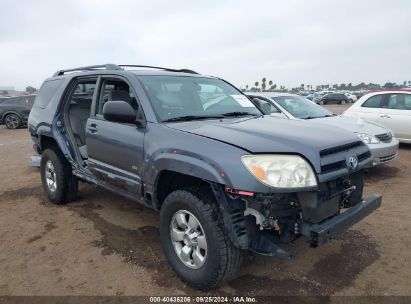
(370, 110)
(115, 150)
(396, 114)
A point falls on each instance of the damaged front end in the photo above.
(262, 222)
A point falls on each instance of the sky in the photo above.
(289, 42)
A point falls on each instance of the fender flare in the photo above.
(11, 112)
(186, 163)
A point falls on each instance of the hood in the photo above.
(270, 135)
(355, 125)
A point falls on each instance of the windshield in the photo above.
(302, 108)
(175, 97)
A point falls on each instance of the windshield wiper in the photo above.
(234, 114)
(313, 117)
(192, 117)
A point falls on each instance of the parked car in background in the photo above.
(14, 111)
(3, 99)
(351, 97)
(359, 94)
(388, 108)
(331, 98)
(382, 144)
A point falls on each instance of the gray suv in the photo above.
(226, 179)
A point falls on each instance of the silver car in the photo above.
(382, 143)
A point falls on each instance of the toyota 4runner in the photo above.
(226, 179)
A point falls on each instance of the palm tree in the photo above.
(263, 84)
(270, 83)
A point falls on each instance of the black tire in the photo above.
(321, 102)
(350, 101)
(223, 259)
(343, 102)
(12, 121)
(66, 183)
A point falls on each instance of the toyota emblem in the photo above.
(352, 162)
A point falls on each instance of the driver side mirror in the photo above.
(119, 111)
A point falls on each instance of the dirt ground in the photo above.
(103, 244)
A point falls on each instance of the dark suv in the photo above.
(14, 111)
(332, 98)
(226, 179)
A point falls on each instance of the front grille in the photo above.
(335, 159)
(386, 137)
(333, 167)
(342, 148)
(388, 158)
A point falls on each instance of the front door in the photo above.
(396, 114)
(115, 150)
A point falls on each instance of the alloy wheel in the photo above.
(188, 238)
(50, 173)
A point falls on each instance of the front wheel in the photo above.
(195, 241)
(12, 121)
(342, 102)
(321, 102)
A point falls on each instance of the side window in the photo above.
(265, 106)
(373, 102)
(46, 92)
(399, 102)
(83, 93)
(114, 90)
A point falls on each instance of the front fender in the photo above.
(184, 162)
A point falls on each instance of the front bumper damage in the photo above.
(263, 223)
(323, 232)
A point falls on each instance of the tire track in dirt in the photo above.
(329, 275)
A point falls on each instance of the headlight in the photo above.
(281, 171)
(368, 139)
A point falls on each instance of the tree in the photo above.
(388, 85)
(263, 85)
(30, 90)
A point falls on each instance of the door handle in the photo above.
(92, 128)
(385, 116)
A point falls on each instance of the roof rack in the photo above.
(89, 68)
(110, 66)
(159, 68)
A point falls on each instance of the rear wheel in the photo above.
(12, 121)
(321, 102)
(343, 102)
(350, 100)
(58, 181)
(195, 241)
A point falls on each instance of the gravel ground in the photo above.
(103, 244)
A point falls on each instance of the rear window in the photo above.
(399, 101)
(47, 91)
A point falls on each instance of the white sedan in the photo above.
(382, 144)
(391, 109)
